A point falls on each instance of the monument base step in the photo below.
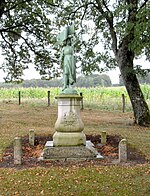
(70, 152)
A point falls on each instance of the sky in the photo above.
(114, 74)
(31, 73)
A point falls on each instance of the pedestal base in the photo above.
(70, 153)
(69, 139)
(69, 91)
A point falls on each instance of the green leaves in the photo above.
(29, 28)
(25, 30)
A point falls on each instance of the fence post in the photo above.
(81, 101)
(31, 137)
(123, 103)
(48, 98)
(17, 151)
(19, 97)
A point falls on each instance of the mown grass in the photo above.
(91, 181)
(81, 180)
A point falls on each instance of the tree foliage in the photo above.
(28, 30)
(106, 25)
(143, 79)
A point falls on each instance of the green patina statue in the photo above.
(67, 59)
(68, 64)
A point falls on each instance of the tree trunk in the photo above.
(139, 105)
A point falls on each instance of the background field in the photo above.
(105, 98)
(118, 179)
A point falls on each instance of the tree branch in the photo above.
(131, 19)
(86, 6)
(109, 18)
(51, 4)
(132, 10)
(2, 6)
(143, 5)
(11, 8)
(13, 32)
(7, 42)
(32, 32)
(10, 27)
(73, 13)
(26, 41)
(99, 7)
(12, 49)
(105, 6)
(14, 6)
(82, 6)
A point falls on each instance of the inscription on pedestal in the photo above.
(70, 119)
(69, 126)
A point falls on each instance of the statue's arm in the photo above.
(61, 58)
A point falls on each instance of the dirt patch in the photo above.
(31, 154)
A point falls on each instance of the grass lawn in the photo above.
(90, 179)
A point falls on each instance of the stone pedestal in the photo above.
(70, 152)
(69, 141)
(69, 126)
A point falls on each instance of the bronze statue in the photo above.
(67, 58)
(68, 64)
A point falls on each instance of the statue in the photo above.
(67, 59)
(68, 64)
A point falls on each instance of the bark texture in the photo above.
(125, 57)
(139, 105)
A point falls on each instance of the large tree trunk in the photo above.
(125, 57)
(139, 105)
